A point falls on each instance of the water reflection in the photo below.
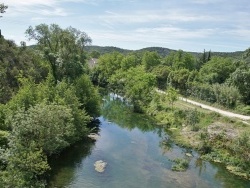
(63, 166)
(166, 145)
(117, 110)
(138, 153)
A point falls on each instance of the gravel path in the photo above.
(222, 112)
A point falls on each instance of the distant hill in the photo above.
(109, 49)
(160, 50)
(106, 49)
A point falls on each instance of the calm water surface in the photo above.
(139, 155)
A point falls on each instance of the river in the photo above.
(139, 154)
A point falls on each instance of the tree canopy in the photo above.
(63, 49)
(3, 8)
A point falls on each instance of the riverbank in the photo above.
(220, 139)
(138, 154)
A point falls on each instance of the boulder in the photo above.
(93, 136)
(100, 166)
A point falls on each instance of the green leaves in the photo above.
(150, 60)
(26, 163)
(3, 8)
(49, 126)
(62, 49)
(217, 70)
(139, 86)
(240, 79)
(88, 96)
(179, 60)
(40, 131)
(44, 119)
(172, 96)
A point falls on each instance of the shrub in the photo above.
(180, 165)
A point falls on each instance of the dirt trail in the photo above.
(222, 112)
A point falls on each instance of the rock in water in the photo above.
(189, 155)
(100, 166)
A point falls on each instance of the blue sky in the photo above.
(190, 25)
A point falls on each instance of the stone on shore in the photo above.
(93, 136)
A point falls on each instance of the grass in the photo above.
(180, 165)
(215, 136)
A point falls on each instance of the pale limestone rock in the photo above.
(100, 166)
(189, 155)
(93, 136)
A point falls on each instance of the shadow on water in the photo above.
(117, 110)
(138, 153)
(63, 166)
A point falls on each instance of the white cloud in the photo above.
(239, 33)
(18, 3)
(54, 12)
(155, 16)
(177, 33)
(207, 1)
(42, 7)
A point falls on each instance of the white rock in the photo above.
(100, 166)
(189, 155)
(93, 136)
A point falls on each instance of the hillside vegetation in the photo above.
(215, 80)
(49, 95)
(160, 50)
(46, 102)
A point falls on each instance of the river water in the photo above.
(138, 154)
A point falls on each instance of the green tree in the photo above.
(40, 131)
(88, 95)
(49, 126)
(63, 49)
(26, 163)
(2, 8)
(95, 54)
(226, 95)
(107, 65)
(209, 56)
(179, 60)
(240, 79)
(150, 60)
(139, 87)
(179, 79)
(130, 61)
(161, 72)
(16, 63)
(217, 70)
(172, 96)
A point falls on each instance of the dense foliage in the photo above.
(47, 100)
(47, 97)
(216, 80)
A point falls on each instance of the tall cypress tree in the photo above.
(209, 56)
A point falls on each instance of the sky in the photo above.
(190, 25)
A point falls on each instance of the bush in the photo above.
(192, 118)
(3, 138)
(50, 127)
(180, 165)
(244, 109)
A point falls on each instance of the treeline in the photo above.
(214, 79)
(210, 78)
(163, 52)
(47, 100)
